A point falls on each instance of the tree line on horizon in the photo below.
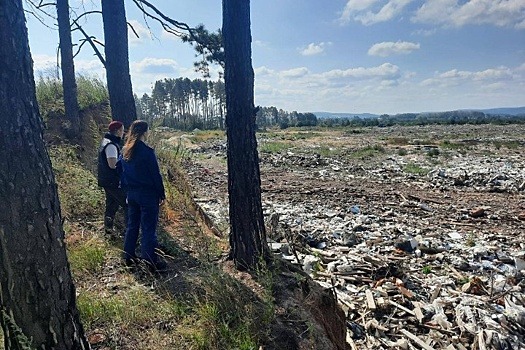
(187, 104)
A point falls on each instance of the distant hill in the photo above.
(326, 115)
(507, 111)
(497, 111)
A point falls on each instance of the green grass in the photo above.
(135, 306)
(88, 257)
(402, 152)
(80, 196)
(274, 147)
(449, 145)
(412, 168)
(91, 92)
(510, 144)
(398, 141)
(433, 152)
(367, 152)
(206, 135)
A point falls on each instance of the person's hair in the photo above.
(136, 130)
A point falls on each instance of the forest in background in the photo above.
(187, 104)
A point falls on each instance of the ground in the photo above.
(457, 190)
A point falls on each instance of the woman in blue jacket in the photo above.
(141, 179)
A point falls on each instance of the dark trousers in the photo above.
(143, 214)
(115, 198)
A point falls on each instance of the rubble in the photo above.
(417, 261)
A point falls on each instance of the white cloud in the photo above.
(387, 89)
(498, 76)
(314, 49)
(355, 6)
(386, 71)
(47, 65)
(294, 73)
(388, 48)
(142, 31)
(456, 13)
(502, 13)
(155, 66)
(372, 11)
(44, 62)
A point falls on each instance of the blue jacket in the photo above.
(141, 173)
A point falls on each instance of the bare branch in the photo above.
(133, 29)
(85, 14)
(92, 43)
(40, 13)
(168, 24)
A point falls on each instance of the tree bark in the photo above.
(37, 295)
(117, 62)
(247, 232)
(67, 66)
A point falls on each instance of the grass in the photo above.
(509, 144)
(398, 141)
(91, 92)
(274, 146)
(80, 196)
(206, 135)
(367, 152)
(88, 257)
(217, 312)
(412, 168)
(450, 145)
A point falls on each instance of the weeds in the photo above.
(91, 91)
(88, 257)
(80, 196)
(398, 141)
(274, 147)
(202, 136)
(433, 152)
(402, 152)
(368, 151)
(446, 144)
(412, 168)
(510, 144)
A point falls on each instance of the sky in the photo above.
(346, 56)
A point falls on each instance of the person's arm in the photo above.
(157, 177)
(111, 156)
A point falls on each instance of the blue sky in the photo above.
(355, 56)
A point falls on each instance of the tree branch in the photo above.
(92, 43)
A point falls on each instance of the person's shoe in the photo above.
(158, 266)
(130, 262)
(108, 225)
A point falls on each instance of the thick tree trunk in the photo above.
(247, 232)
(37, 295)
(69, 83)
(117, 62)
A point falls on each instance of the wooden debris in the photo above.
(370, 300)
(416, 340)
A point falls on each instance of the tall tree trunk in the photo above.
(247, 232)
(37, 295)
(69, 83)
(117, 61)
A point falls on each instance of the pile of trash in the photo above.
(430, 260)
